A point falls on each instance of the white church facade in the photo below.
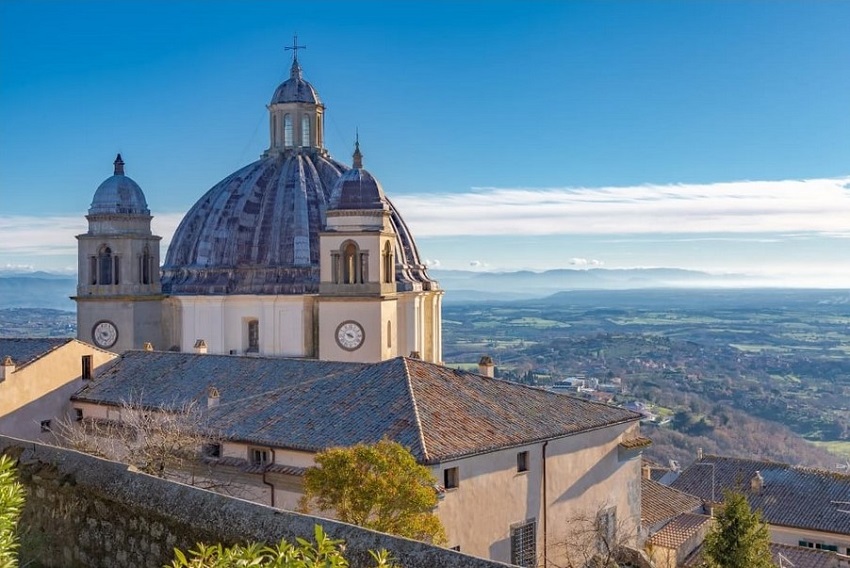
(294, 255)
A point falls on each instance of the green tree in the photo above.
(380, 487)
(11, 504)
(739, 538)
(325, 553)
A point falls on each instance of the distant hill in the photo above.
(37, 290)
(46, 290)
(526, 284)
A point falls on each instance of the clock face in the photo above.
(349, 335)
(105, 334)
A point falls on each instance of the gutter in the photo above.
(270, 484)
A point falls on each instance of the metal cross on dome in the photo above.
(295, 47)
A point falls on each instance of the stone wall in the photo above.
(85, 511)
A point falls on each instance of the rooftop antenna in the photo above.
(783, 561)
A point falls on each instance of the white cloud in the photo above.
(30, 236)
(792, 206)
(478, 264)
(432, 263)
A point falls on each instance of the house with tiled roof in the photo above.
(803, 506)
(37, 377)
(514, 462)
(671, 545)
(785, 556)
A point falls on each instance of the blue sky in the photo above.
(705, 135)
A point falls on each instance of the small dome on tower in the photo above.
(119, 195)
(296, 89)
(357, 188)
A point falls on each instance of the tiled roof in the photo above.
(25, 351)
(795, 556)
(679, 530)
(437, 412)
(791, 496)
(659, 502)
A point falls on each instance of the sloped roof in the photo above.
(437, 412)
(24, 351)
(795, 556)
(791, 496)
(679, 530)
(659, 502)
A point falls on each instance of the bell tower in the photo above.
(358, 304)
(119, 299)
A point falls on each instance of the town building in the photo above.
(804, 507)
(295, 254)
(37, 379)
(515, 464)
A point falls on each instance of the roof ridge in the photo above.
(64, 341)
(782, 465)
(419, 429)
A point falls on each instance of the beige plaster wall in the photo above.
(793, 536)
(286, 323)
(42, 390)
(583, 475)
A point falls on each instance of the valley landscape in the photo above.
(755, 372)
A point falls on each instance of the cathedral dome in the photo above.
(257, 230)
(295, 89)
(119, 195)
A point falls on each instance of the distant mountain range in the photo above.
(47, 290)
(471, 286)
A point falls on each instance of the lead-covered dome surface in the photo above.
(296, 89)
(119, 195)
(257, 232)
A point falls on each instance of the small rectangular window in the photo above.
(450, 478)
(45, 425)
(212, 450)
(259, 457)
(522, 461)
(78, 414)
(86, 371)
(524, 544)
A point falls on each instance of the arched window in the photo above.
(389, 266)
(104, 265)
(145, 266)
(305, 130)
(92, 270)
(350, 264)
(253, 336)
(116, 269)
(287, 130)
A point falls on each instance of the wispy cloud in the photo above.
(803, 206)
(27, 236)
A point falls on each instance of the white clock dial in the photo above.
(349, 335)
(105, 334)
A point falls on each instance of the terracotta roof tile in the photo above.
(679, 530)
(437, 412)
(659, 502)
(791, 496)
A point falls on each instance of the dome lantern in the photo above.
(295, 112)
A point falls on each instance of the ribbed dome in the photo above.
(119, 195)
(296, 89)
(257, 232)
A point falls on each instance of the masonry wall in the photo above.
(85, 511)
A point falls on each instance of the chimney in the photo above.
(212, 397)
(486, 366)
(757, 482)
(699, 453)
(646, 471)
(200, 346)
(7, 368)
(148, 346)
(414, 355)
